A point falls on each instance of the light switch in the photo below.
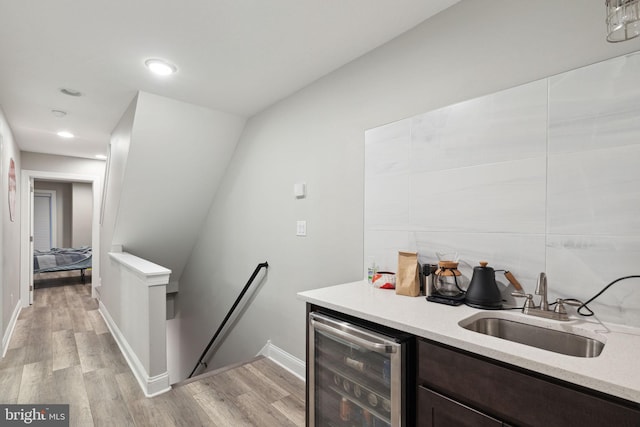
(301, 228)
(300, 190)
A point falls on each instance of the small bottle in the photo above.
(345, 409)
(367, 419)
(372, 269)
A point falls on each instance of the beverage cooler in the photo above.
(358, 374)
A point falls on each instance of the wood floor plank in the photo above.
(60, 319)
(57, 297)
(39, 344)
(280, 376)
(184, 409)
(145, 413)
(107, 406)
(261, 412)
(70, 389)
(14, 358)
(111, 355)
(174, 408)
(222, 409)
(36, 385)
(89, 303)
(41, 299)
(97, 322)
(292, 408)
(230, 381)
(79, 318)
(260, 383)
(89, 351)
(20, 335)
(196, 387)
(128, 386)
(26, 313)
(65, 351)
(10, 379)
(41, 316)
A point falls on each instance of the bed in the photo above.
(63, 259)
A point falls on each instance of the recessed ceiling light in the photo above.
(101, 157)
(160, 67)
(70, 92)
(65, 134)
(58, 113)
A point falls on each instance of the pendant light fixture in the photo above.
(623, 20)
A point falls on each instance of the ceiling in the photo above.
(237, 56)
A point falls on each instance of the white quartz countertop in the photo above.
(615, 371)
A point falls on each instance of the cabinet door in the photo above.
(515, 395)
(436, 410)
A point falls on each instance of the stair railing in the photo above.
(226, 318)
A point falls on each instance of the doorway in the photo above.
(27, 229)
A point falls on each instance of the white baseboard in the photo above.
(291, 363)
(6, 339)
(151, 386)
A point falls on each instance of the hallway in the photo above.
(62, 352)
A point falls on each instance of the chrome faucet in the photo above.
(542, 310)
(541, 289)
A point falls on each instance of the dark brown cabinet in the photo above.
(458, 389)
(436, 410)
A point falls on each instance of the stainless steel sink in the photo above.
(535, 336)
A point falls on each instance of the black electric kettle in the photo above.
(483, 290)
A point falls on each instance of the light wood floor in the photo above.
(62, 352)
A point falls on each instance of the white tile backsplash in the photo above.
(504, 126)
(387, 201)
(522, 254)
(579, 266)
(595, 192)
(507, 197)
(387, 149)
(383, 246)
(542, 177)
(595, 107)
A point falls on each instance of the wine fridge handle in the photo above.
(343, 330)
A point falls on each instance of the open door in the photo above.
(31, 203)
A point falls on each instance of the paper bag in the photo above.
(407, 279)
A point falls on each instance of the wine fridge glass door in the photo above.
(355, 376)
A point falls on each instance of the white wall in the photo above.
(177, 157)
(118, 153)
(9, 233)
(62, 164)
(317, 135)
(81, 214)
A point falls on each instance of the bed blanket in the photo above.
(60, 259)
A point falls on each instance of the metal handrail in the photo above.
(226, 318)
